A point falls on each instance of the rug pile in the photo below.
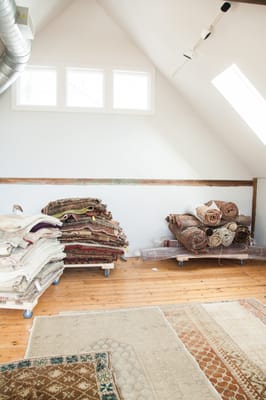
(186, 351)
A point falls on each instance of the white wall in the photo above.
(141, 210)
(171, 143)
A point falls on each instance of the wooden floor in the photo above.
(136, 283)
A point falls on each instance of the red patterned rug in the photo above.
(228, 340)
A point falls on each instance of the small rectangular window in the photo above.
(85, 88)
(36, 86)
(131, 90)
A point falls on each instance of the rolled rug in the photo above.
(193, 239)
(209, 215)
(232, 226)
(227, 236)
(221, 236)
(171, 243)
(208, 230)
(183, 221)
(242, 235)
(229, 209)
(243, 220)
(215, 239)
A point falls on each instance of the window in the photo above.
(131, 90)
(36, 86)
(85, 88)
(244, 98)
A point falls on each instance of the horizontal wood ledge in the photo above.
(125, 181)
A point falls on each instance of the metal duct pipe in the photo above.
(17, 49)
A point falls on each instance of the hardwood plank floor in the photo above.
(135, 283)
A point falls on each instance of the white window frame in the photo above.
(85, 108)
(151, 89)
(61, 91)
(32, 107)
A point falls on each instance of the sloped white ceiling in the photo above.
(43, 11)
(165, 29)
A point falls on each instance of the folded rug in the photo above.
(76, 208)
(59, 205)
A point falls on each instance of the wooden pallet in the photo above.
(105, 267)
(186, 257)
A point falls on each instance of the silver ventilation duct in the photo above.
(17, 49)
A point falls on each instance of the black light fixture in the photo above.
(225, 7)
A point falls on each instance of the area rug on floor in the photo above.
(76, 377)
(172, 352)
(228, 340)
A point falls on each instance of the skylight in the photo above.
(244, 98)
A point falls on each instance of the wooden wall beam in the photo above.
(124, 181)
(254, 206)
(261, 2)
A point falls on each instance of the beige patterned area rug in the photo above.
(172, 352)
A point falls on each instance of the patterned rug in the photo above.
(79, 377)
(228, 340)
(172, 352)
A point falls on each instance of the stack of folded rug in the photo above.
(89, 233)
(30, 257)
(210, 225)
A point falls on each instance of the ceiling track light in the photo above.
(188, 54)
(207, 32)
(225, 7)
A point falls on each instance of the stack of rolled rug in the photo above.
(31, 258)
(209, 225)
(89, 233)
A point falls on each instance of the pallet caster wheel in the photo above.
(180, 263)
(27, 314)
(56, 281)
(242, 262)
(106, 272)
